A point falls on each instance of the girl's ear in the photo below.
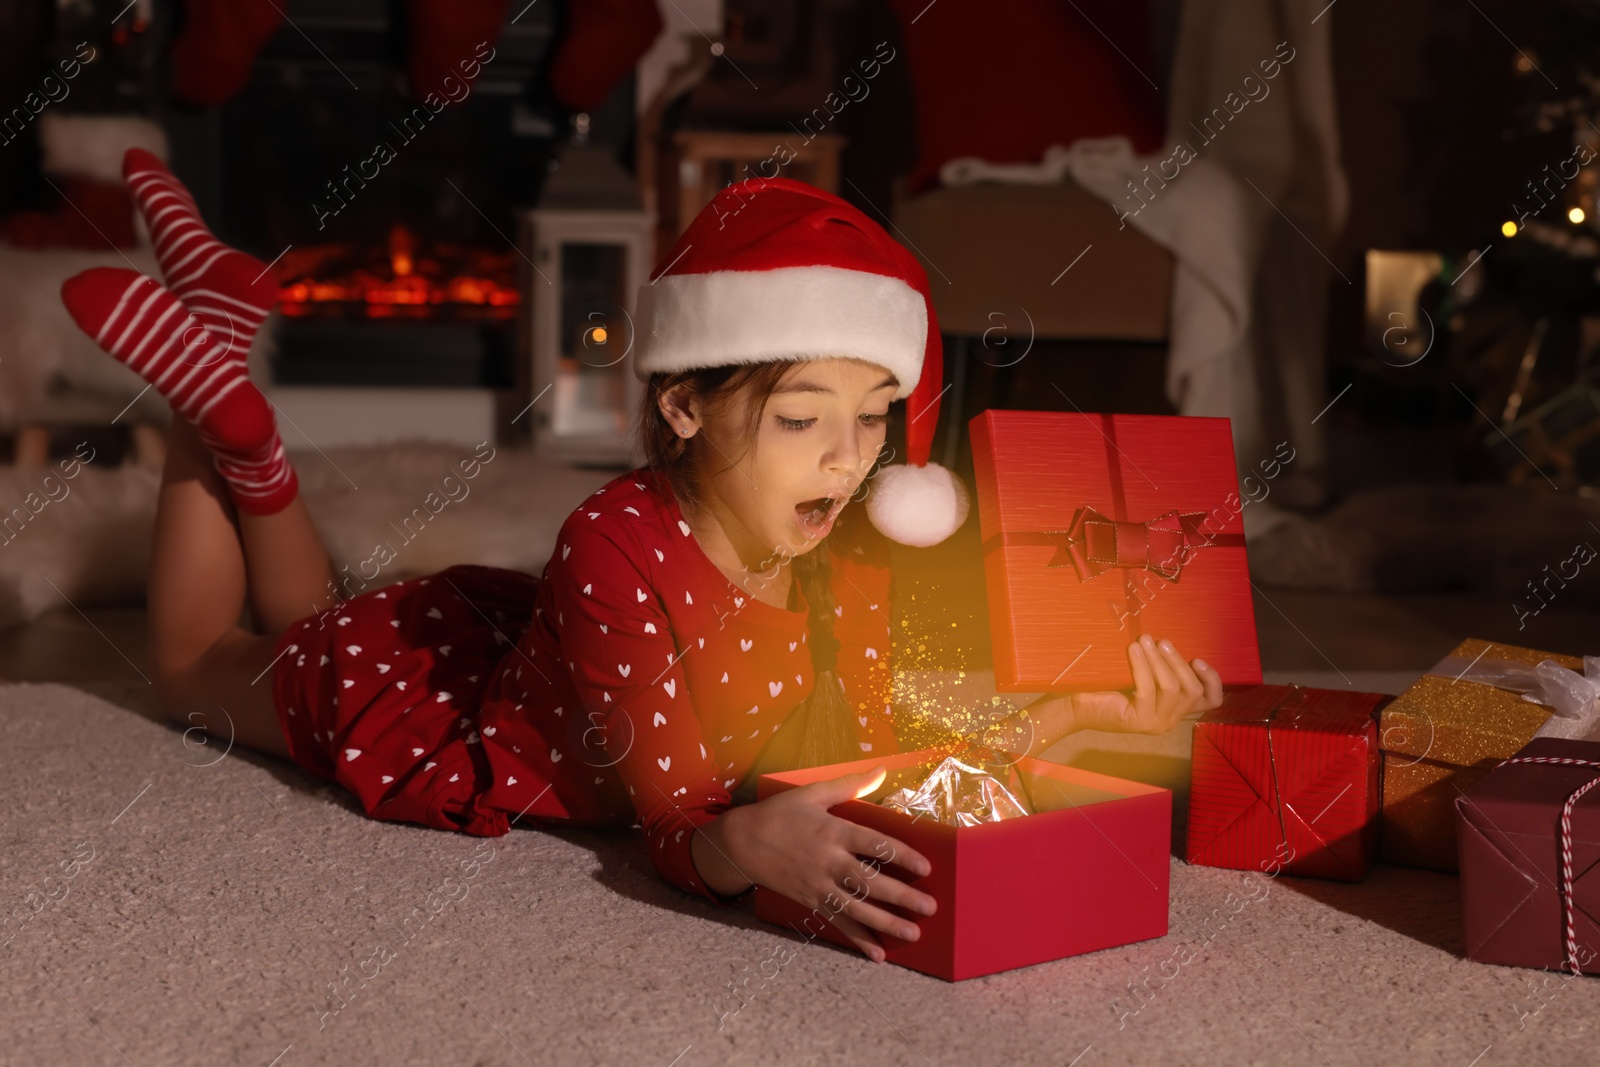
(680, 408)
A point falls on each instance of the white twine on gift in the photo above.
(1566, 843)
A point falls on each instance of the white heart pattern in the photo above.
(350, 754)
(724, 676)
(416, 752)
(639, 594)
(430, 765)
(587, 588)
(566, 550)
(383, 668)
(435, 613)
(511, 779)
(604, 628)
(400, 685)
(684, 527)
(774, 688)
(348, 683)
(665, 763)
(649, 627)
(386, 779)
(755, 709)
(488, 731)
(555, 757)
(671, 686)
(442, 698)
(793, 645)
(872, 653)
(839, 610)
(345, 620)
(354, 650)
(659, 557)
(660, 719)
(745, 643)
(862, 719)
(632, 509)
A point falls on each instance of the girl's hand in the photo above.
(1165, 689)
(790, 844)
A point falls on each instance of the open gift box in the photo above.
(1087, 871)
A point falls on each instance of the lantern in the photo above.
(588, 241)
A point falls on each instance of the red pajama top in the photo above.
(647, 683)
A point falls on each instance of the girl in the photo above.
(710, 613)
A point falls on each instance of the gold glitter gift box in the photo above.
(1440, 738)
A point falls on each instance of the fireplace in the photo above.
(396, 265)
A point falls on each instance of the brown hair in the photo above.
(822, 730)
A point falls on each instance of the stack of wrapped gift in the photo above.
(1285, 780)
(1444, 734)
(1031, 861)
(1096, 529)
(1530, 846)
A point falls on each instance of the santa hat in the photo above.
(775, 269)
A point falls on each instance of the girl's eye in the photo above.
(875, 419)
(794, 424)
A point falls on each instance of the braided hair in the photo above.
(822, 730)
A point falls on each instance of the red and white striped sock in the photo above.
(229, 291)
(145, 327)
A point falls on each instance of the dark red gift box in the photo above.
(1514, 893)
(1100, 528)
(1285, 779)
(1088, 870)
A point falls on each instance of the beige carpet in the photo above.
(215, 896)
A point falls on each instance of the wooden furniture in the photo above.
(697, 163)
(1011, 264)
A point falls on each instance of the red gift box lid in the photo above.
(1100, 528)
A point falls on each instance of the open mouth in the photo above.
(817, 514)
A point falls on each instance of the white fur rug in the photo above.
(89, 541)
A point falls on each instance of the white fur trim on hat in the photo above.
(689, 321)
(93, 145)
(917, 506)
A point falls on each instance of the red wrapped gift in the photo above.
(1529, 840)
(1087, 870)
(1100, 528)
(1285, 780)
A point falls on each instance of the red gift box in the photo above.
(1087, 871)
(1100, 528)
(1285, 780)
(1530, 868)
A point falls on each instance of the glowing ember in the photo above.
(401, 278)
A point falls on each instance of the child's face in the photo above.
(817, 438)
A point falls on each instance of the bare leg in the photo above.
(210, 671)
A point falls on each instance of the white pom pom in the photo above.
(917, 506)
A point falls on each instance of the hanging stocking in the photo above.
(212, 57)
(604, 40)
(451, 39)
